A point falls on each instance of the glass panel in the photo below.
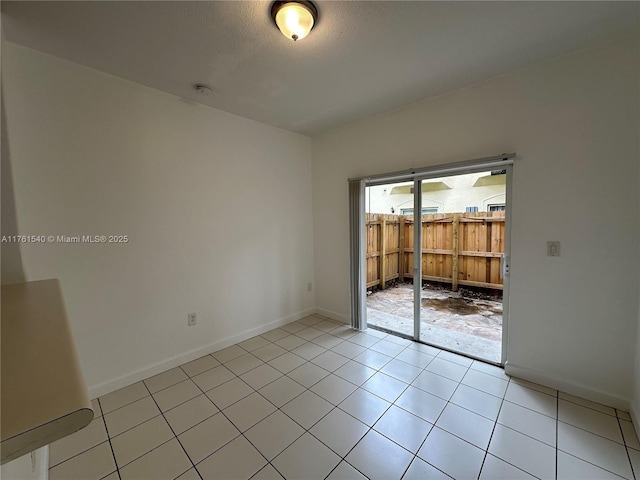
(461, 295)
(389, 257)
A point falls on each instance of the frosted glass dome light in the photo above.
(294, 19)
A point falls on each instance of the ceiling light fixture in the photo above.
(295, 19)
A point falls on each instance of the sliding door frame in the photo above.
(502, 162)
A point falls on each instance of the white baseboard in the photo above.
(338, 317)
(151, 370)
(568, 386)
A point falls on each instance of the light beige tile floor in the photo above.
(316, 399)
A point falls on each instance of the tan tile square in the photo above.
(521, 451)
(78, 442)
(268, 352)
(229, 393)
(629, 433)
(309, 350)
(345, 471)
(207, 437)
(327, 341)
(249, 411)
(593, 448)
(190, 413)
(572, 398)
(591, 420)
(287, 362)
(307, 409)
(131, 415)
(243, 364)
(310, 320)
(307, 458)
(623, 415)
(330, 360)
(165, 462)
(254, 343)
(177, 394)
(293, 327)
(291, 342)
(339, 431)
(333, 389)
(213, 377)
(309, 333)
(282, 391)
(378, 457)
(190, 474)
(123, 397)
(140, 440)
(200, 365)
(261, 376)
(90, 465)
(308, 374)
(165, 379)
(267, 473)
(275, 335)
(228, 353)
(237, 460)
(273, 434)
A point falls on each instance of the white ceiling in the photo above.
(362, 58)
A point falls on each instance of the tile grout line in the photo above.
(308, 430)
(359, 387)
(433, 425)
(626, 447)
(113, 453)
(174, 435)
(486, 452)
(240, 432)
(495, 424)
(378, 370)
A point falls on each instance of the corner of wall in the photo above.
(11, 258)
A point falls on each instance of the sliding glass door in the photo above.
(389, 214)
(436, 256)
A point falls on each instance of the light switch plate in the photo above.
(553, 249)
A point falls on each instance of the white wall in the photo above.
(32, 466)
(635, 403)
(574, 124)
(97, 155)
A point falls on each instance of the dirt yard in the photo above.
(452, 319)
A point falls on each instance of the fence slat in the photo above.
(456, 243)
(383, 252)
(461, 248)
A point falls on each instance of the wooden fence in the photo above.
(457, 248)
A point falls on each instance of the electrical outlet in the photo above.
(192, 319)
(309, 286)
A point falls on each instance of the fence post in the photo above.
(454, 263)
(383, 251)
(401, 252)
